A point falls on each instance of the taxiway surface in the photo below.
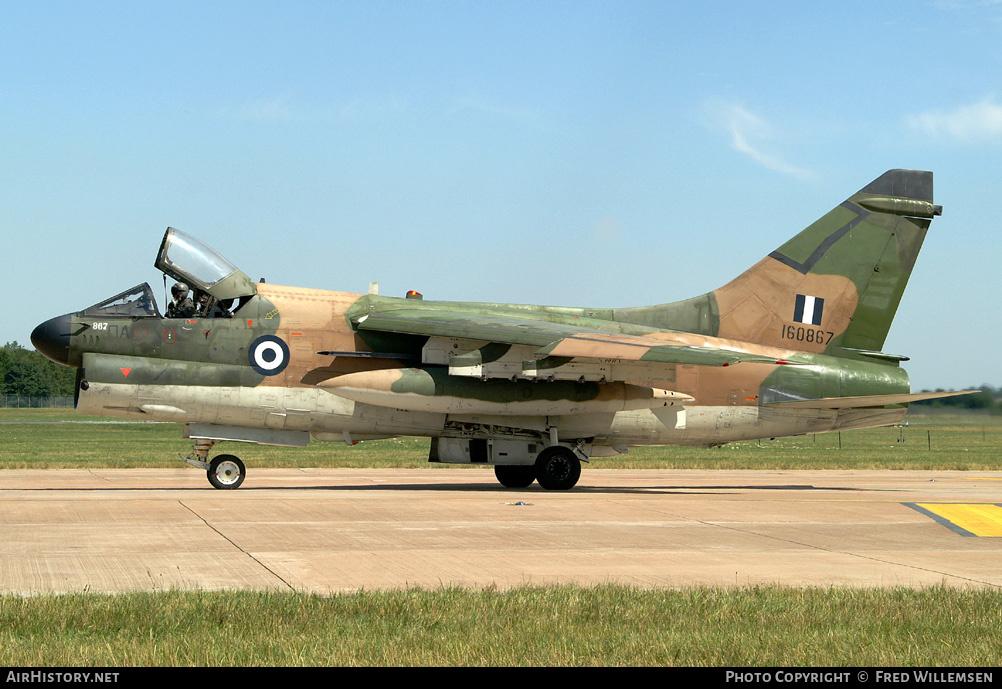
(334, 530)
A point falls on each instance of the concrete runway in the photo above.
(334, 530)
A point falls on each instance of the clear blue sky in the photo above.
(576, 153)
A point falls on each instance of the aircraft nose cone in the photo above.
(52, 339)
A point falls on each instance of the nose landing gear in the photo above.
(225, 472)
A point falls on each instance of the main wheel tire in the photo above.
(515, 475)
(557, 468)
(226, 472)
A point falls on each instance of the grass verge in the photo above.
(605, 625)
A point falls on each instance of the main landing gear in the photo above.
(225, 472)
(556, 468)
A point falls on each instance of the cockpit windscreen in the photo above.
(137, 302)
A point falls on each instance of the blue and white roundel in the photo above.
(269, 355)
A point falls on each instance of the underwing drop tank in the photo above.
(434, 390)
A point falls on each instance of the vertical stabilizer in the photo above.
(835, 284)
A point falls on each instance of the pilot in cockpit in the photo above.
(210, 307)
(182, 306)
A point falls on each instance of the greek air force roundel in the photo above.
(269, 355)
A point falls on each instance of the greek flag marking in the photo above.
(808, 309)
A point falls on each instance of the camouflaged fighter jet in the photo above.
(790, 346)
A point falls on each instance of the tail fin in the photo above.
(836, 284)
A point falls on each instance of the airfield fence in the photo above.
(36, 401)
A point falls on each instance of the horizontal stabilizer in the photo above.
(868, 400)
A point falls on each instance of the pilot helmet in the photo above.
(179, 290)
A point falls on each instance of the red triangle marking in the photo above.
(126, 372)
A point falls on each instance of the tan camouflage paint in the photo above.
(755, 306)
(310, 321)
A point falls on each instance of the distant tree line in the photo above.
(988, 399)
(26, 372)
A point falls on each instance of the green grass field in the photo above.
(605, 625)
(58, 438)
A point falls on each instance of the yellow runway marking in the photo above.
(978, 519)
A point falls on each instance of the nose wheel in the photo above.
(226, 472)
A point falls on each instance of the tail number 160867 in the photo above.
(806, 334)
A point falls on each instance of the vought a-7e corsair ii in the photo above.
(790, 346)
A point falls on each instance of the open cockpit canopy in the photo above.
(202, 268)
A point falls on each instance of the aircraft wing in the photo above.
(591, 345)
(554, 339)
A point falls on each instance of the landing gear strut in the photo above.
(225, 472)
